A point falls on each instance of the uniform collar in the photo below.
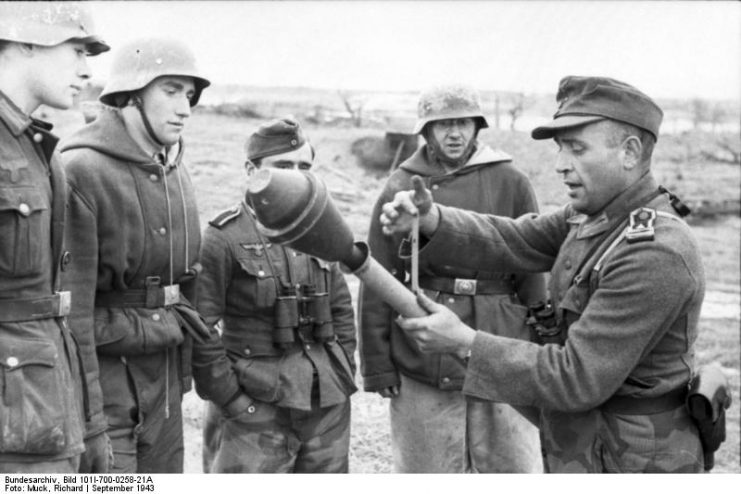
(16, 121)
(618, 209)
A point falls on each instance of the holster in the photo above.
(707, 401)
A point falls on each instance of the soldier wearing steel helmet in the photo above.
(136, 231)
(615, 346)
(43, 50)
(434, 428)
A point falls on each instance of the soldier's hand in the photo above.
(439, 332)
(397, 216)
(238, 405)
(98, 454)
(389, 392)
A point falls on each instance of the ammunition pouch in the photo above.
(543, 324)
(707, 401)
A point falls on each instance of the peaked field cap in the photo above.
(583, 100)
(275, 137)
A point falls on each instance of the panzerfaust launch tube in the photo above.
(293, 208)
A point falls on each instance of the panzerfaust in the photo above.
(293, 208)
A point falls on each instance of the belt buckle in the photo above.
(464, 286)
(172, 294)
(65, 303)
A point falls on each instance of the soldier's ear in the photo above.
(632, 149)
(250, 167)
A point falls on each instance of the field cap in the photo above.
(583, 100)
(275, 137)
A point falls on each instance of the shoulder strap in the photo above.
(225, 217)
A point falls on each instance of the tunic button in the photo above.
(38, 137)
(155, 317)
(261, 273)
(435, 187)
(24, 209)
(247, 351)
(12, 361)
(567, 264)
(446, 380)
(308, 347)
(163, 231)
(153, 177)
(451, 300)
(294, 142)
(251, 409)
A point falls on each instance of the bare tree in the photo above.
(516, 108)
(354, 107)
(700, 112)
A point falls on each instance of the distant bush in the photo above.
(233, 110)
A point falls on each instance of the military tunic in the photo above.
(41, 416)
(300, 393)
(632, 329)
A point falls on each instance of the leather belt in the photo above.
(29, 309)
(151, 297)
(629, 405)
(464, 286)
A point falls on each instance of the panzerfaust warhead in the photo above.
(293, 208)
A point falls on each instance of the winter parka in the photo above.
(487, 183)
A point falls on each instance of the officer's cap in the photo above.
(275, 137)
(583, 100)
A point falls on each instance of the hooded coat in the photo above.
(487, 183)
(132, 219)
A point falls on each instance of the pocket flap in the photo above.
(326, 266)
(15, 354)
(256, 267)
(24, 200)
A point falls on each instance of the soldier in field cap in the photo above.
(288, 329)
(612, 351)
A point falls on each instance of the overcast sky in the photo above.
(667, 49)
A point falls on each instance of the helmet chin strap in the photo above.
(139, 104)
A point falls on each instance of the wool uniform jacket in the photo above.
(632, 327)
(41, 411)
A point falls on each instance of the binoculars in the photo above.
(544, 327)
(303, 309)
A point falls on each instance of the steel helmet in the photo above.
(448, 101)
(139, 62)
(49, 24)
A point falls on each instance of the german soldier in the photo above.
(615, 345)
(425, 389)
(43, 50)
(289, 333)
(135, 227)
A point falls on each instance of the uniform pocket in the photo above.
(136, 331)
(259, 377)
(261, 286)
(31, 413)
(21, 226)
